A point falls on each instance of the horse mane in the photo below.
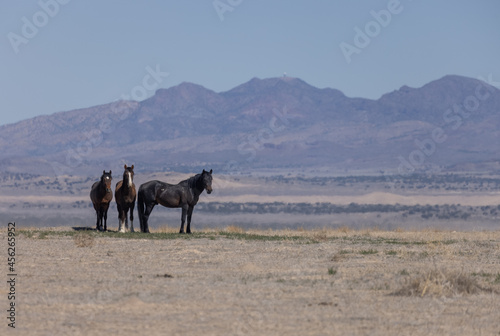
(193, 181)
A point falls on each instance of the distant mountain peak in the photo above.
(183, 87)
(449, 85)
(455, 82)
(278, 122)
(257, 85)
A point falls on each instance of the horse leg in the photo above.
(183, 218)
(189, 215)
(123, 224)
(126, 219)
(98, 216)
(101, 221)
(105, 219)
(140, 209)
(120, 218)
(132, 217)
(147, 212)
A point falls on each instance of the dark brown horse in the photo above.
(184, 195)
(125, 199)
(101, 195)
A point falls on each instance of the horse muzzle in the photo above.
(209, 191)
(108, 190)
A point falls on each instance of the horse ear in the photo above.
(210, 171)
(104, 172)
(132, 167)
(110, 172)
(204, 172)
(125, 167)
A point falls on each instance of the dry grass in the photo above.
(165, 229)
(234, 229)
(320, 235)
(84, 239)
(231, 281)
(441, 283)
(339, 257)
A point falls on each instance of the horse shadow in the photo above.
(89, 229)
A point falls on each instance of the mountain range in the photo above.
(279, 124)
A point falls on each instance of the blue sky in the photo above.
(58, 55)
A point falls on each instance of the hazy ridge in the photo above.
(281, 124)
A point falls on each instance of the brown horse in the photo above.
(101, 195)
(125, 199)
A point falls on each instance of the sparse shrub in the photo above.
(164, 275)
(439, 283)
(497, 279)
(43, 234)
(366, 252)
(320, 236)
(28, 233)
(332, 271)
(83, 239)
(424, 254)
(338, 257)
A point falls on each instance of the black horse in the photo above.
(101, 195)
(184, 195)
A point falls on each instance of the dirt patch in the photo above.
(239, 282)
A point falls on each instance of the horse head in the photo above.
(106, 180)
(207, 180)
(128, 175)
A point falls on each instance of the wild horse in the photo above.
(184, 195)
(101, 196)
(125, 199)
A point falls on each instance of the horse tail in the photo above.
(140, 207)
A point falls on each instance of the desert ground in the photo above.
(234, 281)
(270, 255)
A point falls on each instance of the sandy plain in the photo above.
(232, 281)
